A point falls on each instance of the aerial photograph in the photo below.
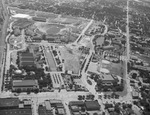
(74, 57)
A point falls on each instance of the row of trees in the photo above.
(28, 90)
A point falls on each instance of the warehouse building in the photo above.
(92, 105)
(24, 85)
(26, 59)
(13, 106)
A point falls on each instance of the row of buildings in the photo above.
(26, 59)
(14, 106)
(84, 108)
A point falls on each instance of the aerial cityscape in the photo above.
(74, 57)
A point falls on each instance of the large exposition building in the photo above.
(26, 59)
(24, 85)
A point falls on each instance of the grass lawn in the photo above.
(49, 28)
(115, 68)
(46, 15)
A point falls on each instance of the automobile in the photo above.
(108, 96)
(113, 96)
(79, 97)
(116, 96)
(87, 97)
(83, 97)
(100, 96)
(92, 97)
(89, 82)
(105, 96)
(16, 94)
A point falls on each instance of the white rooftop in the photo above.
(21, 16)
(105, 62)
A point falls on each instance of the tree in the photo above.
(120, 88)
(139, 83)
(18, 90)
(44, 37)
(105, 89)
(36, 91)
(117, 108)
(82, 109)
(99, 84)
(115, 83)
(134, 75)
(28, 91)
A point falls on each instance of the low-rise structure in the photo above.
(26, 59)
(14, 106)
(107, 79)
(50, 106)
(24, 85)
(92, 105)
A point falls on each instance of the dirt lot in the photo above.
(71, 60)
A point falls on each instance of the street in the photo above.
(2, 41)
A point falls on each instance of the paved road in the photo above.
(2, 41)
(128, 55)
(128, 35)
(127, 88)
(83, 31)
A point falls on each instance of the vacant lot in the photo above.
(71, 60)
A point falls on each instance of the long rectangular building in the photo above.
(9, 102)
(13, 106)
(25, 84)
(26, 59)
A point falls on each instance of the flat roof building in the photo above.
(78, 103)
(26, 54)
(42, 111)
(9, 102)
(27, 63)
(135, 94)
(92, 105)
(48, 105)
(107, 78)
(26, 59)
(13, 106)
